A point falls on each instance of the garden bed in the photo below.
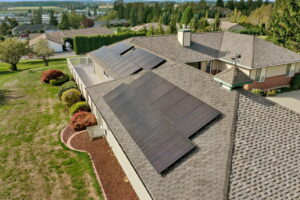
(110, 173)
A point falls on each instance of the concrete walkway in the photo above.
(289, 100)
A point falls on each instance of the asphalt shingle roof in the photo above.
(233, 76)
(255, 52)
(250, 152)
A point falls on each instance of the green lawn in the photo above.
(33, 162)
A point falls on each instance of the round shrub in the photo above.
(66, 86)
(50, 74)
(82, 119)
(79, 106)
(295, 82)
(70, 96)
(60, 80)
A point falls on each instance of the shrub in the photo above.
(271, 93)
(82, 119)
(70, 96)
(79, 106)
(295, 82)
(257, 91)
(60, 80)
(51, 74)
(66, 86)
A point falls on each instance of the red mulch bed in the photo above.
(68, 132)
(107, 166)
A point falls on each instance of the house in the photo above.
(148, 26)
(113, 22)
(34, 28)
(183, 133)
(268, 65)
(56, 39)
(227, 26)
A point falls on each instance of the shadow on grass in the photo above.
(3, 97)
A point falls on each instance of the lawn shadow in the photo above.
(3, 97)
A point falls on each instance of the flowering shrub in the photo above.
(82, 119)
(271, 93)
(257, 91)
(50, 74)
(70, 96)
(66, 86)
(79, 106)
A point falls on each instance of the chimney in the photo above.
(184, 36)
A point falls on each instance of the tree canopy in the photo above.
(11, 51)
(285, 24)
(42, 50)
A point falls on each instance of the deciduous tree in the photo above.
(42, 50)
(11, 51)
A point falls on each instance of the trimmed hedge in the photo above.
(82, 119)
(79, 106)
(66, 86)
(71, 96)
(84, 44)
(60, 81)
(51, 74)
(295, 82)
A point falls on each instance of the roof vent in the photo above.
(184, 36)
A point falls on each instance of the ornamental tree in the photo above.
(11, 51)
(42, 50)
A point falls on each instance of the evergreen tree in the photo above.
(95, 11)
(285, 24)
(160, 29)
(4, 28)
(194, 24)
(187, 15)
(75, 20)
(203, 24)
(53, 18)
(64, 24)
(172, 25)
(217, 22)
(133, 17)
(220, 3)
(230, 4)
(151, 31)
(37, 17)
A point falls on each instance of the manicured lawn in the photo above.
(33, 162)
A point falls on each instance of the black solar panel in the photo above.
(144, 59)
(159, 117)
(121, 48)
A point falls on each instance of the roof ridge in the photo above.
(223, 33)
(253, 54)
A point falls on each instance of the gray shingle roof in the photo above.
(59, 36)
(233, 77)
(264, 162)
(255, 52)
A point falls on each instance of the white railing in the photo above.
(79, 61)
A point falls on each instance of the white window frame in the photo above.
(290, 70)
(261, 77)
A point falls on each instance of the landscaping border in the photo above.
(67, 144)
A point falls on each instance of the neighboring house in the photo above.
(113, 22)
(148, 26)
(56, 39)
(175, 130)
(228, 26)
(34, 28)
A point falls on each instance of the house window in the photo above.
(290, 70)
(261, 74)
(208, 66)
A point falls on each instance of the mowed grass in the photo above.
(33, 162)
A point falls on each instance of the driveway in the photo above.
(289, 100)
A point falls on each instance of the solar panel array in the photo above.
(159, 117)
(119, 65)
(121, 47)
(144, 59)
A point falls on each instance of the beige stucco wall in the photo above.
(99, 71)
(276, 71)
(221, 66)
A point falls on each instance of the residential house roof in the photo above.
(233, 77)
(34, 28)
(148, 26)
(59, 36)
(227, 26)
(250, 152)
(255, 52)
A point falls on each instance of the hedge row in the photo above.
(84, 44)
